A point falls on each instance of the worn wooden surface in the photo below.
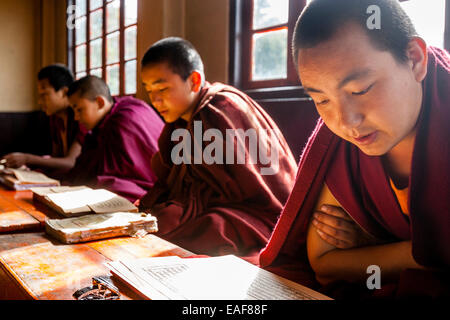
(18, 213)
(34, 266)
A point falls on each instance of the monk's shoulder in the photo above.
(129, 110)
(227, 104)
(232, 99)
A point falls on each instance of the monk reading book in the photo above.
(122, 139)
(373, 182)
(224, 168)
(66, 134)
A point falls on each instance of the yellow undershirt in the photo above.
(402, 197)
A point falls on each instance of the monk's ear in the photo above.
(196, 81)
(101, 102)
(418, 57)
(64, 91)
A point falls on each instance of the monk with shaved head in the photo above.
(123, 137)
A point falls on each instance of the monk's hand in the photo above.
(337, 228)
(16, 159)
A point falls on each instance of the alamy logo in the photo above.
(374, 21)
(261, 149)
(71, 15)
(374, 281)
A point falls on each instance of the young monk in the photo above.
(66, 134)
(209, 202)
(375, 172)
(122, 139)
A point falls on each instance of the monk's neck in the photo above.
(397, 161)
(187, 116)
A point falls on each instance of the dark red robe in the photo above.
(117, 153)
(74, 132)
(219, 209)
(361, 186)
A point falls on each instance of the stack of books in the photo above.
(20, 179)
(101, 226)
(92, 214)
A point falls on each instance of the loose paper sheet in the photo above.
(217, 278)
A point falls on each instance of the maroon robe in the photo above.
(117, 153)
(74, 132)
(361, 186)
(219, 209)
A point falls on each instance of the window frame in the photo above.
(446, 24)
(71, 45)
(241, 34)
(240, 55)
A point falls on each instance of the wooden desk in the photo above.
(34, 266)
(18, 213)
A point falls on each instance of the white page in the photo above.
(115, 204)
(217, 278)
(32, 177)
(76, 199)
(152, 287)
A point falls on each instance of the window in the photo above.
(263, 33)
(429, 19)
(103, 42)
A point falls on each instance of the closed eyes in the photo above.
(360, 93)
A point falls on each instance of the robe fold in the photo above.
(359, 183)
(117, 153)
(220, 208)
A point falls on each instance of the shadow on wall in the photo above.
(24, 132)
(296, 120)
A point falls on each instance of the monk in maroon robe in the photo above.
(66, 134)
(205, 203)
(379, 158)
(117, 151)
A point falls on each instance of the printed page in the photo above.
(153, 285)
(217, 278)
(32, 177)
(76, 199)
(113, 205)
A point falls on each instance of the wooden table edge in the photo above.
(13, 276)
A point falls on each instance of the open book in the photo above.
(19, 179)
(101, 226)
(216, 278)
(77, 201)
